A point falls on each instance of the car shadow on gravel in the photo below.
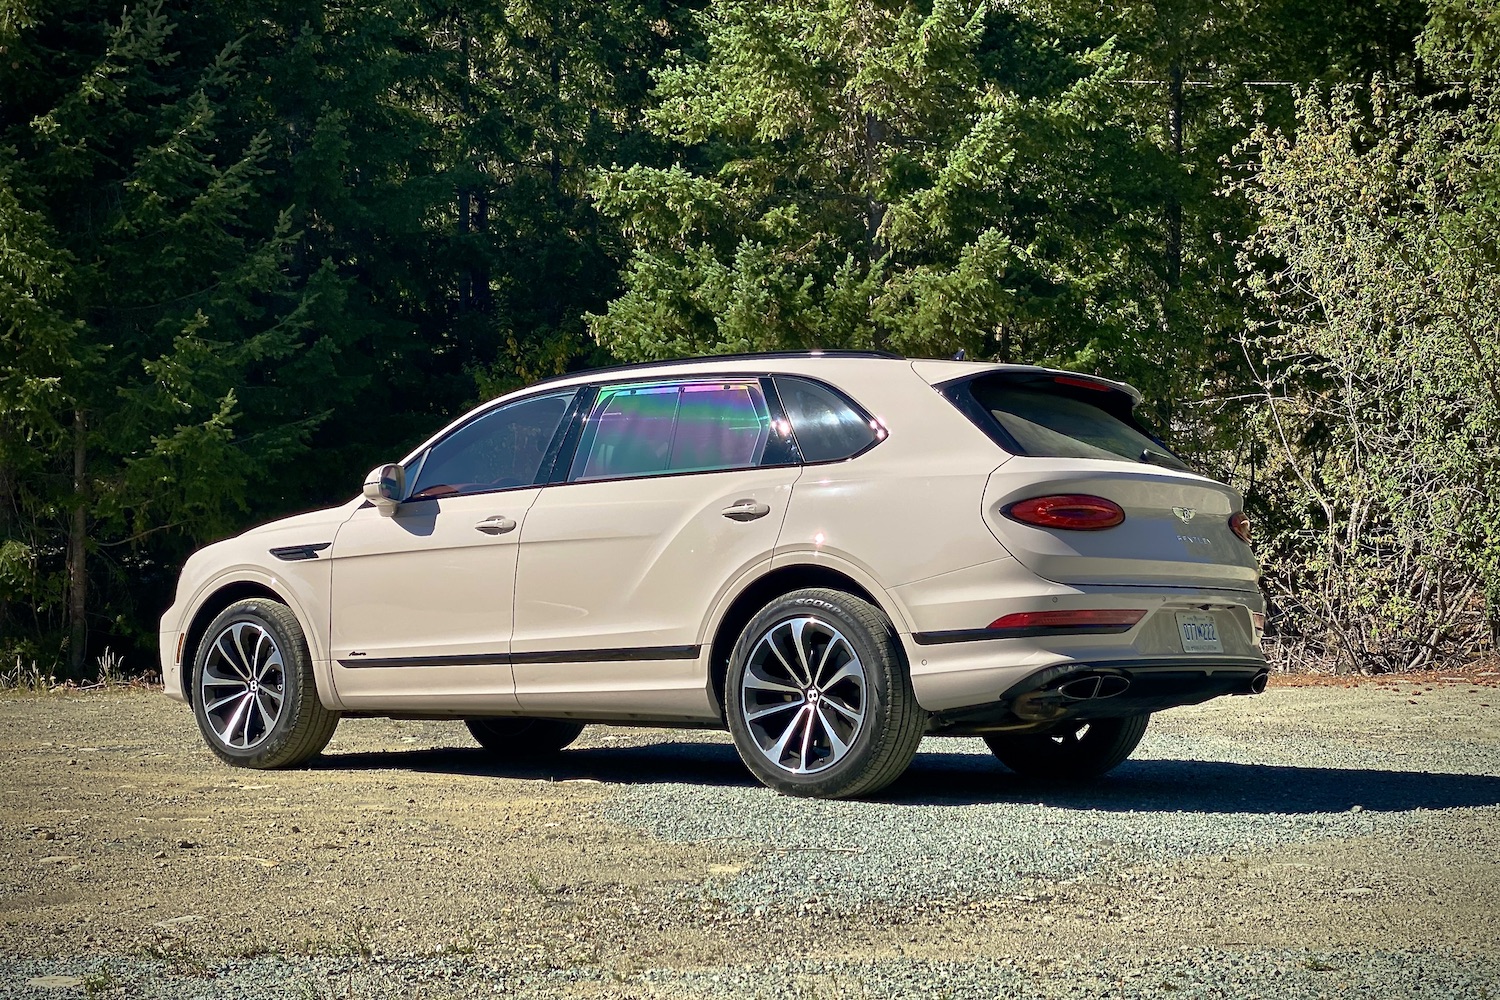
(1197, 786)
(1201, 786)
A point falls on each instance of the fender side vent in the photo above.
(299, 553)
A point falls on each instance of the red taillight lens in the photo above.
(1240, 525)
(1073, 511)
(1091, 619)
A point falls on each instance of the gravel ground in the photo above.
(1306, 843)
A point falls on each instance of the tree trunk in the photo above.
(1174, 202)
(875, 209)
(78, 581)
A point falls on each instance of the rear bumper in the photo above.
(1106, 689)
(961, 668)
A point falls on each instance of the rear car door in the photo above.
(422, 600)
(676, 491)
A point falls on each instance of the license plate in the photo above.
(1200, 634)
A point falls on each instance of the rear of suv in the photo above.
(830, 554)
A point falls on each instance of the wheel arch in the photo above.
(762, 591)
(210, 608)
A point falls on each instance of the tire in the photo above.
(838, 722)
(521, 739)
(1077, 751)
(254, 695)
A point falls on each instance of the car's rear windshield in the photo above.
(1053, 419)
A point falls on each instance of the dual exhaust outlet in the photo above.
(1097, 685)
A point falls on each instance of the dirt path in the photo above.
(124, 838)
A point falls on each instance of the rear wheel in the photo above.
(1074, 751)
(520, 739)
(818, 698)
(253, 690)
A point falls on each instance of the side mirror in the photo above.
(385, 486)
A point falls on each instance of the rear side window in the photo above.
(828, 427)
(645, 430)
(1054, 420)
(500, 449)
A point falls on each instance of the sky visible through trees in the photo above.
(250, 249)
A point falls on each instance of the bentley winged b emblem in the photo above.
(1185, 514)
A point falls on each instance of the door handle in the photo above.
(497, 524)
(745, 510)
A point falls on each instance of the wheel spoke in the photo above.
(850, 670)
(798, 627)
(256, 712)
(853, 716)
(834, 643)
(838, 746)
(778, 749)
(224, 646)
(761, 713)
(770, 642)
(761, 683)
(214, 706)
(247, 659)
(807, 728)
(234, 719)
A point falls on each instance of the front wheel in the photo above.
(1072, 752)
(818, 698)
(253, 690)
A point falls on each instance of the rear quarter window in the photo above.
(827, 426)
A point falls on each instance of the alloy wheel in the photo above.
(804, 695)
(243, 685)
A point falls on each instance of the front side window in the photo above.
(827, 426)
(646, 430)
(501, 449)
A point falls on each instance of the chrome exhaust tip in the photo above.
(1090, 687)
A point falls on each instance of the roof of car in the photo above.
(934, 371)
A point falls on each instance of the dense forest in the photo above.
(249, 249)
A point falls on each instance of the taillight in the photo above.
(1073, 511)
(1091, 620)
(1240, 525)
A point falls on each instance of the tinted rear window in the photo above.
(1052, 421)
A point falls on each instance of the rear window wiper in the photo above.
(1157, 458)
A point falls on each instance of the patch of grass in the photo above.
(101, 981)
(180, 956)
(27, 678)
(357, 942)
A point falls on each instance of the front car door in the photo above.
(422, 600)
(674, 496)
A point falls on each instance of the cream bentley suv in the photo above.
(832, 554)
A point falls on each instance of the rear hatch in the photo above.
(1075, 435)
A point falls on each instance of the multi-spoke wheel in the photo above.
(818, 698)
(253, 688)
(1072, 751)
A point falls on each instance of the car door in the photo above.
(422, 600)
(675, 493)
